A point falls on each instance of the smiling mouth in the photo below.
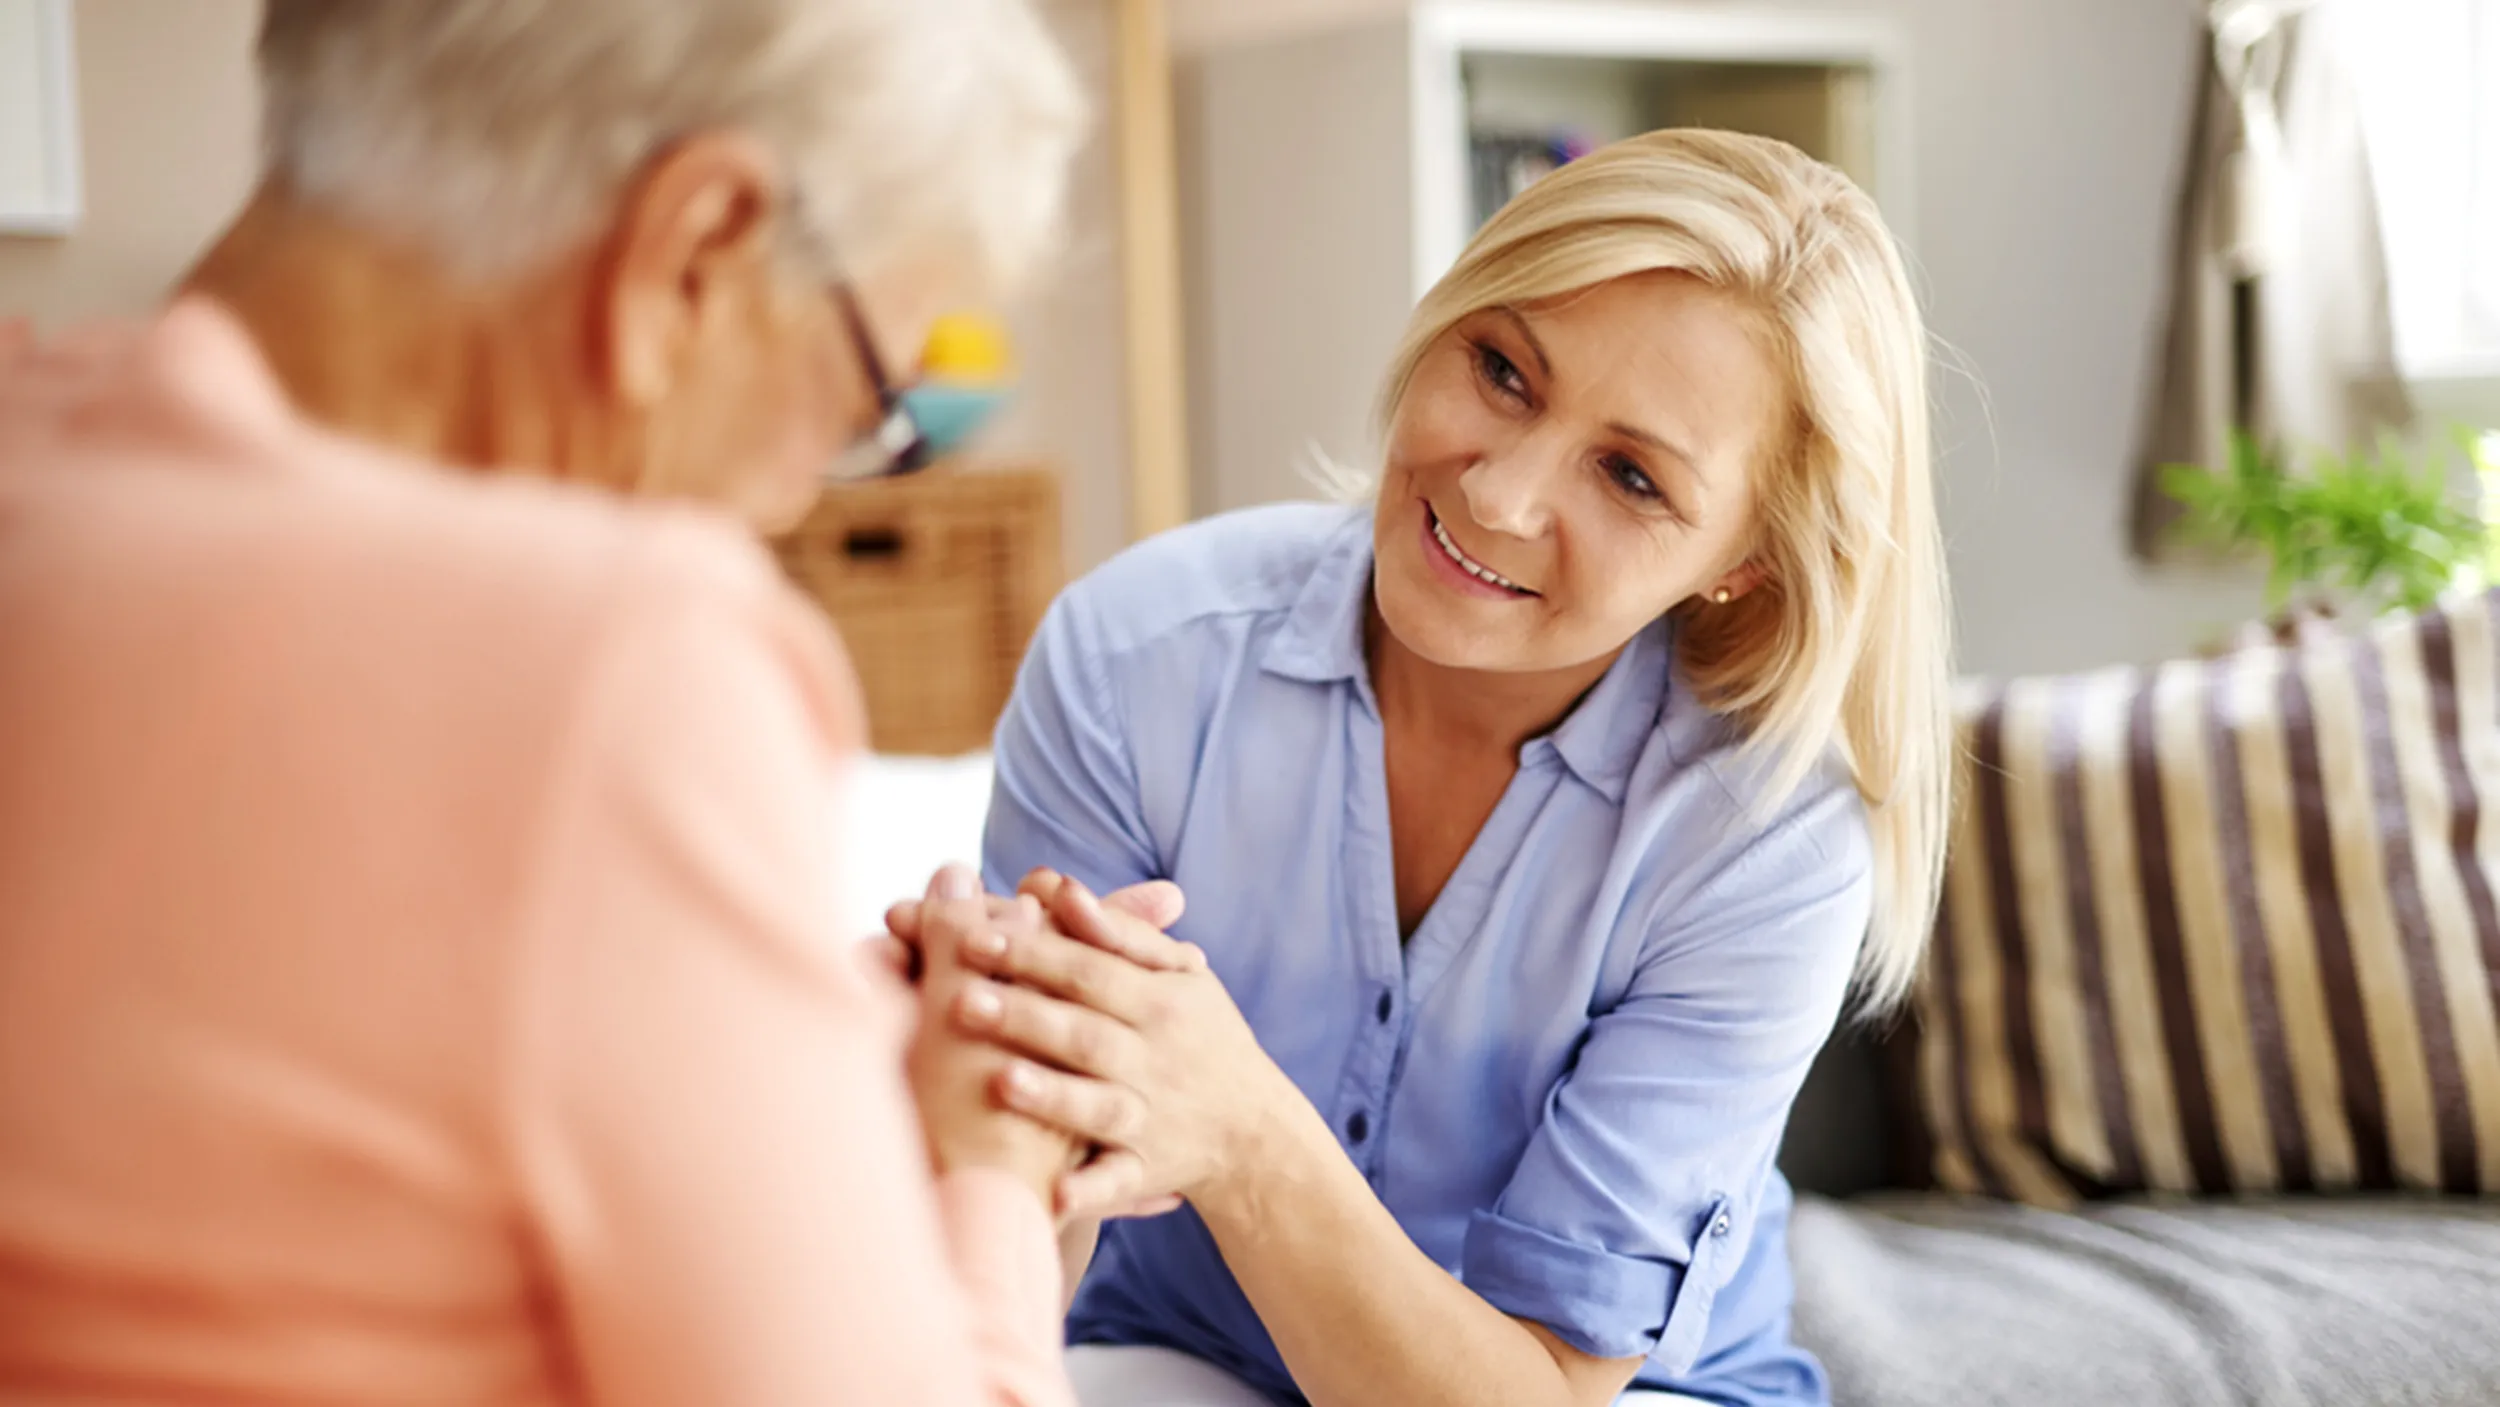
(1468, 564)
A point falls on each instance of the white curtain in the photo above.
(2281, 319)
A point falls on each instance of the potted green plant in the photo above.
(2364, 533)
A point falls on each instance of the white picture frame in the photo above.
(40, 192)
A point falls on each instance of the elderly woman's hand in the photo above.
(1155, 1065)
(955, 1078)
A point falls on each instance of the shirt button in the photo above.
(1358, 1126)
(1721, 1225)
(1387, 1004)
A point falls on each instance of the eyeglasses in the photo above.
(898, 445)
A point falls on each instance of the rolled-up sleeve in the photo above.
(1066, 790)
(1636, 1197)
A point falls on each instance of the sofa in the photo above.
(2198, 1102)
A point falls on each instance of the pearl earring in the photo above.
(1722, 596)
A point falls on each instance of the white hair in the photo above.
(494, 133)
(1847, 645)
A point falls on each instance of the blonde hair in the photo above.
(1847, 642)
(493, 133)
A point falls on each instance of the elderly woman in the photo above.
(1534, 818)
(417, 983)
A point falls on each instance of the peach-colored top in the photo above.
(417, 974)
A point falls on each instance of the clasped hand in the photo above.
(1086, 1019)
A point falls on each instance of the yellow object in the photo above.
(967, 349)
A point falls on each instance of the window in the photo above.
(2426, 73)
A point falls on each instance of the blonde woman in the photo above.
(1534, 820)
(418, 982)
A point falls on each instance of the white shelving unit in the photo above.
(1329, 178)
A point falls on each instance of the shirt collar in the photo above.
(1321, 642)
(1602, 738)
(1322, 638)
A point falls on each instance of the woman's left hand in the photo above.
(1176, 1088)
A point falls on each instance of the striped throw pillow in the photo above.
(2227, 925)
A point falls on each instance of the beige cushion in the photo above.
(2228, 925)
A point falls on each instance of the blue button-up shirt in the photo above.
(1569, 1084)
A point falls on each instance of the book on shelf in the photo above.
(1502, 164)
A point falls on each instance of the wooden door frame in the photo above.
(1150, 273)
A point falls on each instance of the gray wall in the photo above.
(1297, 240)
(2050, 135)
(166, 112)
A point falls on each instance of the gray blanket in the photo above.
(1928, 1302)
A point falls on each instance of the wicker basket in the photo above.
(937, 583)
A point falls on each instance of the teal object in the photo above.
(948, 415)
